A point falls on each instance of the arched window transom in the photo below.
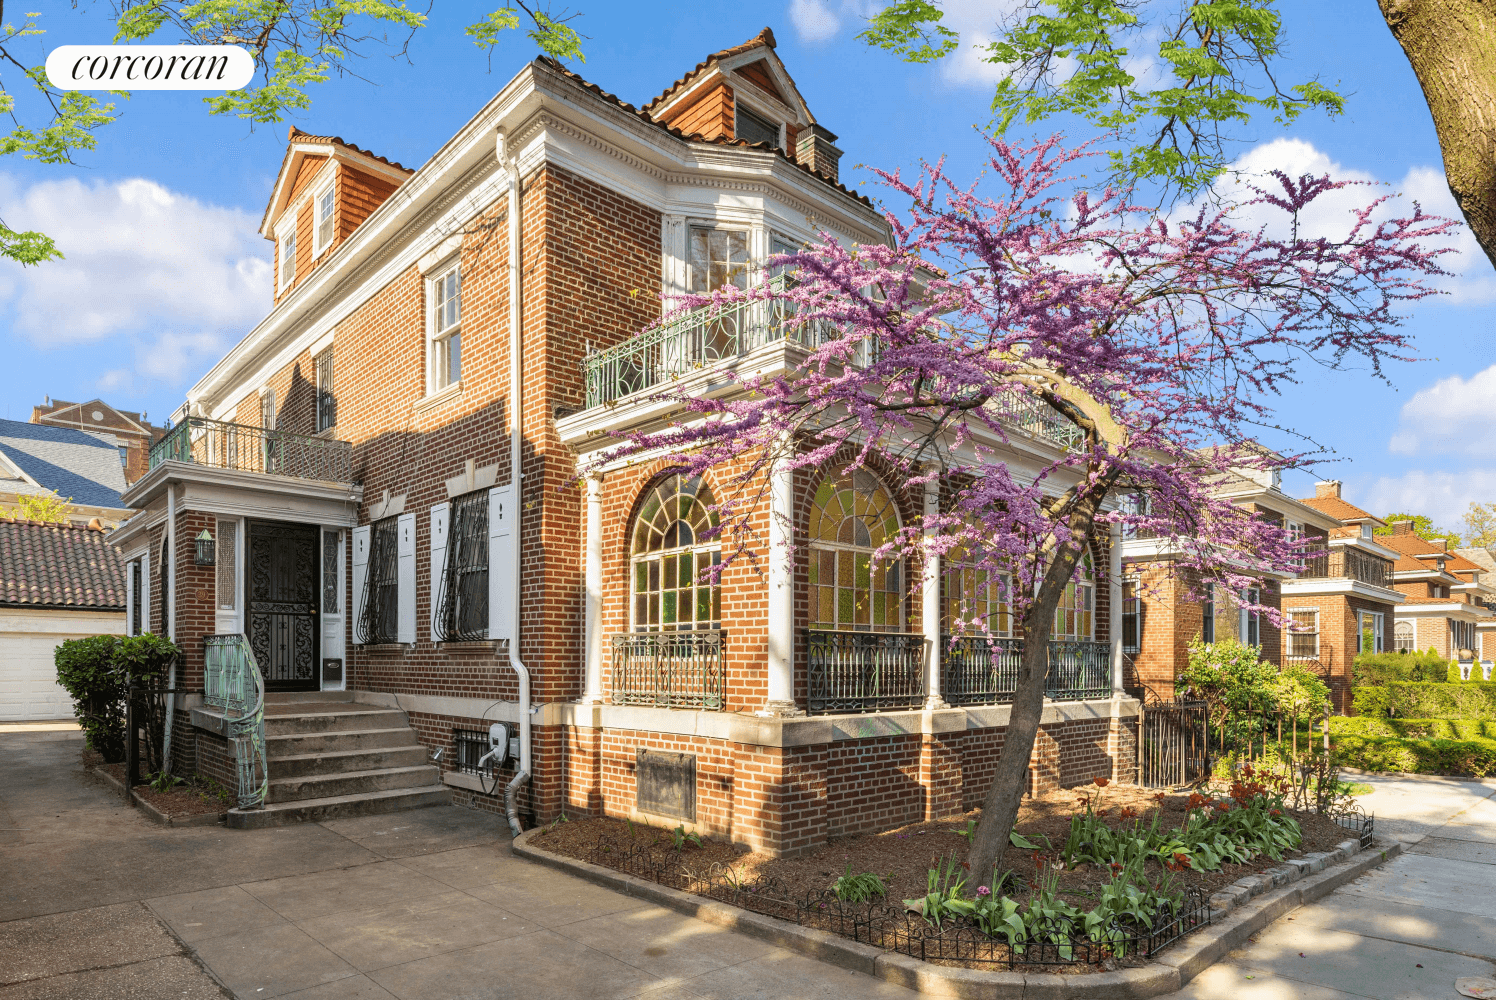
(673, 546)
(851, 516)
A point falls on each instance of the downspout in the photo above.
(522, 775)
(171, 620)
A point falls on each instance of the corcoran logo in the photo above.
(150, 67)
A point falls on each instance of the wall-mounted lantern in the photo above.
(205, 551)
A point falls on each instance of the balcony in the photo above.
(216, 444)
(670, 670)
(718, 336)
(1345, 563)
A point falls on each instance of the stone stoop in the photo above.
(331, 757)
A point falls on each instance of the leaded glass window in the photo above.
(227, 573)
(674, 551)
(136, 627)
(332, 547)
(464, 600)
(977, 600)
(380, 621)
(851, 517)
(1075, 618)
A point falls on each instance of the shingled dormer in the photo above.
(744, 93)
(326, 188)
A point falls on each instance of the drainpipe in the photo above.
(171, 619)
(522, 775)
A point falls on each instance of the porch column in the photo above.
(593, 560)
(930, 602)
(1114, 585)
(781, 571)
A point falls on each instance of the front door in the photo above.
(282, 607)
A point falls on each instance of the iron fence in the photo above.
(681, 669)
(217, 444)
(896, 929)
(1173, 742)
(975, 670)
(864, 671)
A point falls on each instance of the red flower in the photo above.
(1101, 782)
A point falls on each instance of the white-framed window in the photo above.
(1249, 623)
(1369, 632)
(1296, 537)
(1303, 636)
(1132, 616)
(325, 206)
(752, 126)
(445, 338)
(672, 554)
(267, 409)
(718, 258)
(288, 253)
(976, 598)
(1403, 638)
(851, 516)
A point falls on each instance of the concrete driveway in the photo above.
(96, 901)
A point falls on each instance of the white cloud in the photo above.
(1452, 416)
(814, 21)
(1470, 281)
(1442, 496)
(141, 261)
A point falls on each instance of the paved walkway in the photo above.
(95, 901)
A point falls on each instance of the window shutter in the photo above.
(360, 576)
(405, 550)
(501, 512)
(440, 519)
(145, 592)
(129, 599)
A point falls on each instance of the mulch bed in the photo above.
(905, 855)
(195, 797)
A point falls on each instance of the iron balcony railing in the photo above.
(1344, 563)
(864, 671)
(218, 444)
(975, 670)
(670, 669)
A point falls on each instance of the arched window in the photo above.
(851, 516)
(669, 556)
(1402, 636)
(976, 598)
(1075, 618)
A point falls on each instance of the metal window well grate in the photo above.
(470, 746)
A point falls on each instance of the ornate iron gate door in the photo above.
(1173, 746)
(282, 592)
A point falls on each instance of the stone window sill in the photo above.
(385, 647)
(443, 395)
(470, 646)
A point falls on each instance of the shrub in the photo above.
(1416, 729)
(1299, 693)
(85, 669)
(1430, 756)
(1386, 668)
(1230, 677)
(1428, 700)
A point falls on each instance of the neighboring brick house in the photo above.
(1444, 602)
(81, 466)
(347, 468)
(131, 433)
(1481, 582)
(57, 582)
(1340, 601)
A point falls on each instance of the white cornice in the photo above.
(1450, 609)
(1338, 585)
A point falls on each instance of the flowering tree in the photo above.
(1152, 345)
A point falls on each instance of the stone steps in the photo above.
(330, 756)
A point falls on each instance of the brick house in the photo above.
(133, 435)
(1444, 596)
(1340, 602)
(1482, 581)
(349, 471)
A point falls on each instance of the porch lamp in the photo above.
(205, 554)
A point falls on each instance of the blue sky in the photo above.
(165, 268)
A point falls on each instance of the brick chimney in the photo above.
(1401, 527)
(1442, 544)
(814, 149)
(1327, 490)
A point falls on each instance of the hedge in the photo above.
(96, 671)
(1416, 729)
(1428, 700)
(1390, 668)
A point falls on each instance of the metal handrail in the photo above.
(233, 682)
(219, 444)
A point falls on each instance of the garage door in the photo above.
(28, 679)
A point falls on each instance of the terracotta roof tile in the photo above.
(59, 566)
(1339, 509)
(1409, 547)
(765, 37)
(297, 133)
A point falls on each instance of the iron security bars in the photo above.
(463, 614)
(864, 671)
(380, 620)
(680, 669)
(216, 444)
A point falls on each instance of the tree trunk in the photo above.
(1451, 45)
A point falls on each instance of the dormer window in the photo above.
(1366, 531)
(288, 256)
(326, 218)
(756, 128)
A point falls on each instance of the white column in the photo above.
(930, 602)
(781, 570)
(1114, 583)
(593, 693)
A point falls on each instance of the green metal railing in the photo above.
(975, 670)
(218, 444)
(863, 671)
(670, 669)
(233, 683)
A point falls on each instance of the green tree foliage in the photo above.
(1388, 668)
(1480, 525)
(1427, 700)
(1230, 677)
(49, 508)
(1077, 57)
(96, 671)
(1297, 692)
(1423, 527)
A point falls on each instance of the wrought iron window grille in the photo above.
(379, 622)
(463, 607)
(469, 745)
